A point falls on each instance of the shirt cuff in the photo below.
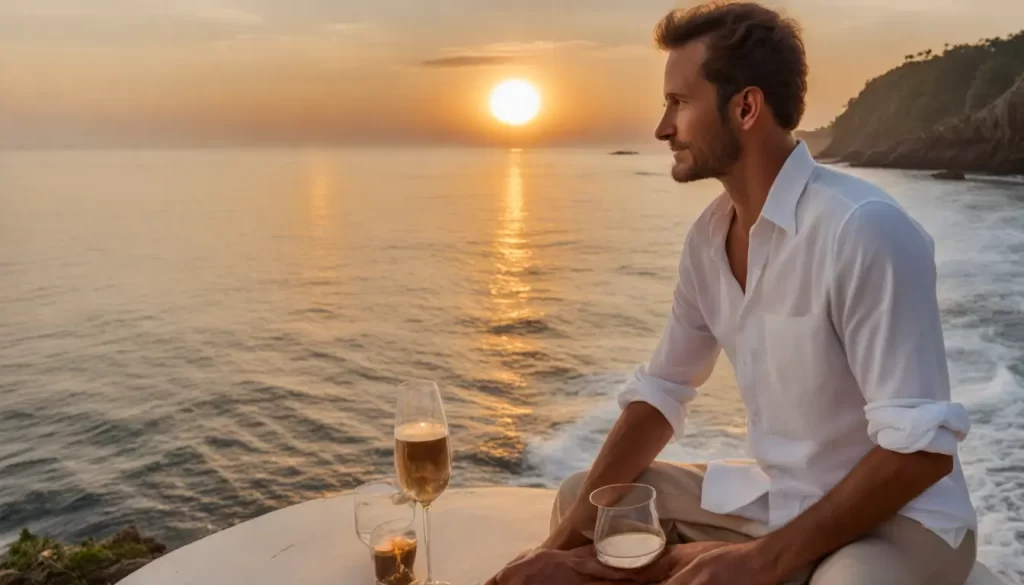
(668, 397)
(909, 425)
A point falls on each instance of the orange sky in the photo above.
(400, 71)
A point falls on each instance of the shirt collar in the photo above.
(780, 207)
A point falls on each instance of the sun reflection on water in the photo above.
(511, 314)
(512, 259)
(320, 262)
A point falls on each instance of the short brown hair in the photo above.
(748, 46)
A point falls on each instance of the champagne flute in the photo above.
(628, 534)
(423, 457)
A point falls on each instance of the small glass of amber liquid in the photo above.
(393, 551)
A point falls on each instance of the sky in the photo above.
(78, 72)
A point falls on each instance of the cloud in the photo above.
(470, 61)
(528, 48)
(627, 49)
(501, 53)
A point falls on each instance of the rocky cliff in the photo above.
(962, 109)
(991, 140)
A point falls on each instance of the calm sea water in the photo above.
(189, 339)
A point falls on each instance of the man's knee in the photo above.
(870, 560)
(568, 491)
(570, 488)
(664, 477)
(900, 552)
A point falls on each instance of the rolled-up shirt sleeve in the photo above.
(684, 357)
(886, 311)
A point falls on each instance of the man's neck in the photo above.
(750, 180)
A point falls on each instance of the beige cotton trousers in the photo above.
(899, 552)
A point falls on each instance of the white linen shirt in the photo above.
(836, 344)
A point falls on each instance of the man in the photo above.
(821, 291)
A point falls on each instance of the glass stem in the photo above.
(426, 544)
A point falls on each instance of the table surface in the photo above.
(475, 532)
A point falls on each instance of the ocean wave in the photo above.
(573, 446)
(994, 467)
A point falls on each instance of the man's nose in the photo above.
(666, 128)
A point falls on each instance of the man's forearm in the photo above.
(881, 484)
(636, 439)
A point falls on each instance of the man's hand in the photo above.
(727, 565)
(545, 567)
(641, 432)
(672, 561)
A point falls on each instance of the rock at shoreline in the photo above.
(11, 577)
(36, 560)
(131, 536)
(949, 175)
(121, 570)
(816, 140)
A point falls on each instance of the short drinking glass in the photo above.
(628, 533)
(379, 502)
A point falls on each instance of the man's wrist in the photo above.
(766, 555)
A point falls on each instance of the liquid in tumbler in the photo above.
(630, 550)
(423, 460)
(393, 561)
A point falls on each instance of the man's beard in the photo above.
(722, 152)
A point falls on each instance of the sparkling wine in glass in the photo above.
(628, 533)
(423, 457)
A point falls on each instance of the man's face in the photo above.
(703, 143)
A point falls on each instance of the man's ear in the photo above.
(749, 106)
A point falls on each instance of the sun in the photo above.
(515, 102)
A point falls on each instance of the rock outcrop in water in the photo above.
(816, 140)
(962, 110)
(949, 175)
(36, 560)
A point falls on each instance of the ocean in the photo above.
(192, 338)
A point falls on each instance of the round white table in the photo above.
(475, 532)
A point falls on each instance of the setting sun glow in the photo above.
(515, 102)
